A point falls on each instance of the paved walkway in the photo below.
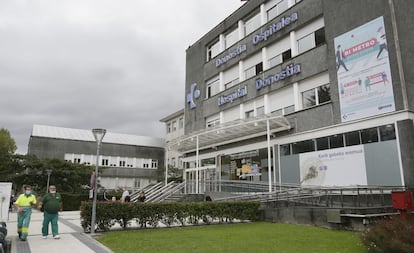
(73, 239)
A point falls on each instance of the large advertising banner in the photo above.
(334, 167)
(5, 194)
(363, 71)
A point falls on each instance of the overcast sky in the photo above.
(114, 64)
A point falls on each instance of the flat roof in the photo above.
(172, 116)
(230, 132)
(86, 135)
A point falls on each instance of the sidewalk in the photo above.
(73, 239)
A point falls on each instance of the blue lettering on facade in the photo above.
(290, 70)
(240, 49)
(241, 92)
(274, 28)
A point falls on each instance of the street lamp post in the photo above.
(49, 172)
(98, 133)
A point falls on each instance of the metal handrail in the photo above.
(324, 196)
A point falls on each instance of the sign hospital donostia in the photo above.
(290, 70)
(263, 36)
(241, 92)
(274, 28)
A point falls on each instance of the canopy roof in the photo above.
(229, 132)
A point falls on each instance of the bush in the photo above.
(392, 235)
(72, 201)
(181, 213)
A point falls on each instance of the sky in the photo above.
(113, 64)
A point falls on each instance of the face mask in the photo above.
(54, 191)
(28, 192)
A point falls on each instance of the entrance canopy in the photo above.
(229, 132)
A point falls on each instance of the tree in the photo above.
(7, 143)
(7, 149)
(68, 177)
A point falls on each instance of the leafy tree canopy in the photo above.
(7, 143)
(68, 177)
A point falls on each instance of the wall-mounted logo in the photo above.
(194, 94)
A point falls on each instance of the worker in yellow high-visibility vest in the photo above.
(24, 205)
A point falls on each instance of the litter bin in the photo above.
(402, 201)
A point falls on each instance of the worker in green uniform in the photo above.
(24, 204)
(52, 204)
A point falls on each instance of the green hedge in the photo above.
(72, 201)
(152, 214)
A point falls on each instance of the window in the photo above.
(154, 164)
(278, 59)
(252, 71)
(322, 143)
(77, 160)
(213, 50)
(231, 38)
(303, 146)
(387, 132)
(369, 135)
(311, 40)
(181, 123)
(105, 162)
(260, 111)
(213, 123)
(169, 128)
(145, 165)
(274, 61)
(285, 149)
(320, 36)
(308, 98)
(336, 141)
(316, 96)
(352, 138)
(252, 24)
(288, 109)
(287, 55)
(212, 87)
(249, 114)
(306, 43)
(277, 9)
(122, 163)
(277, 112)
(324, 94)
(174, 126)
(231, 83)
(137, 183)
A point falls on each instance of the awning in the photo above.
(229, 132)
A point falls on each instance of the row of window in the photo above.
(112, 161)
(273, 8)
(310, 98)
(309, 41)
(364, 136)
(172, 126)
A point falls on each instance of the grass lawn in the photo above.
(244, 237)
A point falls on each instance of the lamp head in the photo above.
(98, 133)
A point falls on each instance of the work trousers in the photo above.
(23, 221)
(50, 218)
